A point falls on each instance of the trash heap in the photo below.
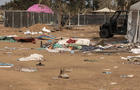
(65, 44)
(85, 45)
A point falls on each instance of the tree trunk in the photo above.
(68, 20)
(59, 16)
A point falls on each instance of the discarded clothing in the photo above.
(6, 65)
(28, 70)
(74, 46)
(44, 29)
(132, 58)
(22, 39)
(77, 41)
(8, 39)
(57, 45)
(32, 57)
(88, 48)
(71, 41)
(82, 41)
(135, 51)
(46, 37)
(56, 50)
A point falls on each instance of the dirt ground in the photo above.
(83, 75)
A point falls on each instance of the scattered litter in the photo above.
(28, 70)
(87, 60)
(87, 48)
(7, 39)
(56, 50)
(52, 50)
(82, 42)
(71, 41)
(72, 52)
(113, 83)
(124, 58)
(57, 45)
(44, 29)
(135, 51)
(10, 48)
(127, 76)
(34, 33)
(105, 47)
(63, 42)
(40, 32)
(32, 57)
(22, 39)
(63, 74)
(27, 32)
(40, 64)
(98, 50)
(77, 41)
(6, 65)
(107, 72)
(46, 37)
(40, 48)
(131, 58)
(12, 36)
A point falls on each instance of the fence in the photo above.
(19, 19)
(90, 19)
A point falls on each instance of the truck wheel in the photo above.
(104, 33)
(111, 35)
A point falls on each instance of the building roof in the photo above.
(105, 10)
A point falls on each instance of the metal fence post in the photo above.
(33, 18)
(21, 19)
(4, 18)
(78, 19)
(13, 19)
(84, 19)
(69, 20)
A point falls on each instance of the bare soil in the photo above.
(84, 75)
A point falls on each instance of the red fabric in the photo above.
(71, 41)
(22, 39)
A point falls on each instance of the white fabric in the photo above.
(135, 6)
(133, 28)
(46, 30)
(135, 51)
(79, 41)
(32, 57)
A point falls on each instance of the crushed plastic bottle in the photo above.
(107, 72)
(127, 76)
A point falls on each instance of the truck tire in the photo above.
(104, 33)
(111, 35)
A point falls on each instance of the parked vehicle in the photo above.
(117, 25)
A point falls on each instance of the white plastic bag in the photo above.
(46, 30)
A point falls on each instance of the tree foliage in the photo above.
(125, 4)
